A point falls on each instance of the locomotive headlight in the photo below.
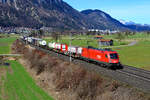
(99, 56)
(110, 61)
(115, 61)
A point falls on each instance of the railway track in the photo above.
(135, 77)
(140, 73)
(137, 70)
(144, 78)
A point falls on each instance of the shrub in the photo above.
(114, 86)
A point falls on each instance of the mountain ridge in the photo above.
(51, 13)
(101, 18)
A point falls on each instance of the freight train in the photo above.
(105, 57)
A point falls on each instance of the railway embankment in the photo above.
(69, 81)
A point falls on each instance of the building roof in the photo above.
(98, 36)
(104, 40)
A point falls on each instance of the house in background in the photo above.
(98, 37)
(104, 42)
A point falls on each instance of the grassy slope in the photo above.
(5, 44)
(18, 85)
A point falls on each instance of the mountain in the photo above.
(37, 13)
(56, 14)
(102, 20)
(135, 26)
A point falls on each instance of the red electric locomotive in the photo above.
(105, 56)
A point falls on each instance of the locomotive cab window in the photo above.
(113, 56)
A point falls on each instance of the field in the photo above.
(83, 40)
(5, 44)
(16, 84)
(137, 55)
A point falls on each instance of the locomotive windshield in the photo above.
(113, 56)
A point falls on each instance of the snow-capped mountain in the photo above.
(135, 26)
(127, 22)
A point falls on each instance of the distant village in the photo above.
(19, 30)
(16, 30)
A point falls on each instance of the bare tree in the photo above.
(134, 33)
(148, 32)
(40, 33)
(55, 36)
(120, 36)
(127, 33)
(33, 33)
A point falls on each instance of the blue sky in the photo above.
(131, 10)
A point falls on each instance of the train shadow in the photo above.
(118, 67)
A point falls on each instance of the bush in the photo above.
(114, 86)
(89, 87)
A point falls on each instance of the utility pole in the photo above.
(70, 45)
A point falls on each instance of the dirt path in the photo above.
(130, 44)
(133, 43)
